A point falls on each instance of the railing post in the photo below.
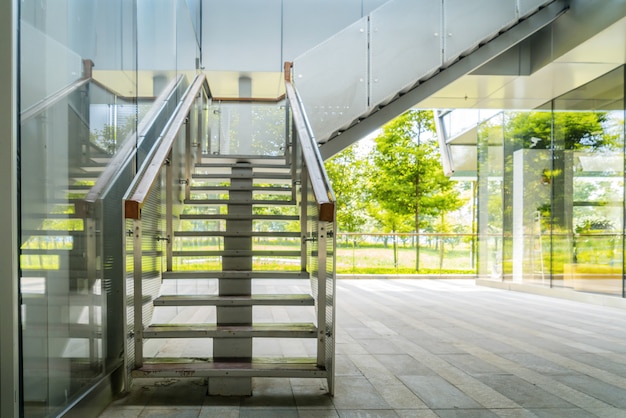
(137, 292)
(304, 220)
(322, 234)
(169, 213)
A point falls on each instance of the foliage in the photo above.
(572, 130)
(408, 176)
(348, 175)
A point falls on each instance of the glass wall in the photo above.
(551, 191)
(90, 70)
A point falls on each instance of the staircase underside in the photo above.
(431, 84)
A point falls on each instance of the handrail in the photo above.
(149, 172)
(126, 151)
(322, 189)
(42, 105)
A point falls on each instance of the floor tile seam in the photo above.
(532, 349)
(390, 375)
(453, 378)
(548, 384)
(559, 359)
(521, 371)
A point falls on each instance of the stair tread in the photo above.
(219, 216)
(237, 234)
(237, 253)
(253, 175)
(215, 300)
(260, 367)
(245, 274)
(242, 188)
(263, 330)
(238, 202)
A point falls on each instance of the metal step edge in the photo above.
(254, 300)
(253, 175)
(236, 253)
(255, 367)
(52, 232)
(272, 189)
(239, 202)
(237, 165)
(211, 274)
(267, 330)
(217, 217)
(281, 234)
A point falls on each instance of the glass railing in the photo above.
(409, 253)
(246, 127)
(370, 62)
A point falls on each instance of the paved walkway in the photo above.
(435, 348)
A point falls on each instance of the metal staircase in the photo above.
(235, 241)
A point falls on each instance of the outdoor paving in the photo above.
(434, 348)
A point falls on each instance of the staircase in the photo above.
(237, 291)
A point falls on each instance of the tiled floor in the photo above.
(433, 348)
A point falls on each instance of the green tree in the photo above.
(348, 176)
(408, 178)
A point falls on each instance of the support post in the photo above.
(10, 396)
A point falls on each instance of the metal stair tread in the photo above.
(236, 253)
(234, 274)
(253, 175)
(225, 216)
(238, 202)
(260, 330)
(217, 300)
(273, 189)
(256, 366)
(237, 234)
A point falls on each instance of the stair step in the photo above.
(220, 216)
(238, 202)
(216, 300)
(256, 367)
(236, 234)
(259, 164)
(212, 274)
(237, 253)
(273, 330)
(257, 189)
(243, 159)
(253, 175)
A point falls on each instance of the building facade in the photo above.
(77, 77)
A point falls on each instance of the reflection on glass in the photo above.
(81, 97)
(552, 190)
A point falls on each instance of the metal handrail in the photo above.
(320, 183)
(149, 172)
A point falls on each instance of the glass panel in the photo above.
(239, 128)
(332, 80)
(65, 142)
(588, 186)
(528, 193)
(488, 17)
(405, 43)
(491, 264)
